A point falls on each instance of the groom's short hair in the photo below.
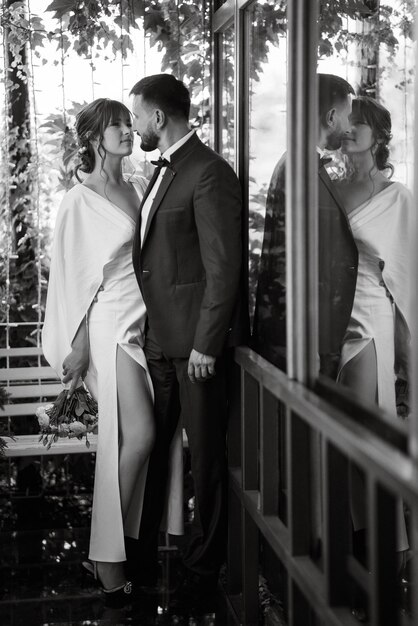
(166, 92)
(332, 90)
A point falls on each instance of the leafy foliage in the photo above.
(61, 138)
(179, 28)
(383, 18)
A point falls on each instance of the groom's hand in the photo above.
(201, 367)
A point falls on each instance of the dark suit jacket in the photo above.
(337, 269)
(337, 274)
(189, 266)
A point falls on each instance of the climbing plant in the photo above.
(180, 29)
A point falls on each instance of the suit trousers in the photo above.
(202, 407)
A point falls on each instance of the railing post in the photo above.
(234, 415)
(269, 453)
(337, 518)
(299, 484)
(299, 609)
(234, 583)
(234, 556)
(249, 436)
(383, 561)
(250, 551)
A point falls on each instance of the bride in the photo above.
(94, 330)
(376, 344)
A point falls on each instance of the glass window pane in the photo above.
(365, 201)
(267, 78)
(227, 58)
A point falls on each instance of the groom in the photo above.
(187, 259)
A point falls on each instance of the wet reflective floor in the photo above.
(43, 583)
(44, 535)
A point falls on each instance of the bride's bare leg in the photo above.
(111, 575)
(136, 424)
(136, 438)
(360, 374)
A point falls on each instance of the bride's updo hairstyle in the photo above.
(90, 124)
(370, 112)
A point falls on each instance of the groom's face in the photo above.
(144, 120)
(339, 123)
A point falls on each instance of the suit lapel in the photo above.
(323, 174)
(149, 187)
(168, 177)
(137, 238)
(169, 174)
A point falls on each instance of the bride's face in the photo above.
(359, 138)
(118, 137)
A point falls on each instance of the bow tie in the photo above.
(161, 162)
(322, 161)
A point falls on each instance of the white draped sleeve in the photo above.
(396, 247)
(87, 236)
(396, 237)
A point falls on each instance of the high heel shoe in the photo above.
(115, 598)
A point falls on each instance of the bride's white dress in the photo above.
(382, 227)
(92, 274)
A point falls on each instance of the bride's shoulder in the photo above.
(402, 191)
(74, 192)
(402, 200)
(72, 199)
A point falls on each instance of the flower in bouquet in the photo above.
(43, 417)
(74, 416)
(77, 428)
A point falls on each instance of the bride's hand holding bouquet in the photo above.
(75, 364)
(74, 412)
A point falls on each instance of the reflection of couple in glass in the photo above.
(143, 309)
(363, 241)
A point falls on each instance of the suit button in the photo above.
(101, 288)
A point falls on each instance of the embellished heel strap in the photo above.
(126, 587)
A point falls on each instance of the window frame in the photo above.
(388, 452)
(301, 200)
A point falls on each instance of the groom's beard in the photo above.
(149, 141)
(334, 139)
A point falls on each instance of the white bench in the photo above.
(29, 445)
(28, 388)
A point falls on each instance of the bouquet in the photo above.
(68, 417)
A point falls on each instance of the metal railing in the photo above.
(271, 438)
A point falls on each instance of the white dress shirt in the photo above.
(150, 198)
